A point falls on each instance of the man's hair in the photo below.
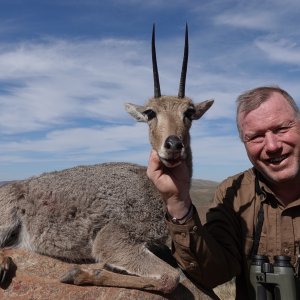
(252, 99)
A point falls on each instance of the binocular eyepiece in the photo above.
(273, 281)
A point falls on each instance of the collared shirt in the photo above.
(221, 249)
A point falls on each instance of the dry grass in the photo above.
(202, 191)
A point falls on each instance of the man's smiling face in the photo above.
(271, 135)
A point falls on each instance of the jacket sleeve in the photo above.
(211, 253)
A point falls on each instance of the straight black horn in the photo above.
(181, 92)
(157, 93)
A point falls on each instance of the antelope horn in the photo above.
(157, 93)
(181, 92)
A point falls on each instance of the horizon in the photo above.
(68, 68)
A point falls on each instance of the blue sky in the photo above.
(68, 67)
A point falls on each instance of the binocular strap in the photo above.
(258, 229)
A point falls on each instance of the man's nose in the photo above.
(272, 142)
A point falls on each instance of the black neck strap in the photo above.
(258, 229)
(260, 219)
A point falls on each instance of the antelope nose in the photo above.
(173, 143)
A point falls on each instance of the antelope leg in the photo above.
(102, 277)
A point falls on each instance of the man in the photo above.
(254, 212)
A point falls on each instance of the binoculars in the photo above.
(275, 281)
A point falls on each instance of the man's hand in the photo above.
(172, 183)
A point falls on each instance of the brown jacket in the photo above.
(214, 253)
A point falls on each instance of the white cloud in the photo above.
(252, 20)
(282, 50)
(90, 141)
(262, 16)
(49, 83)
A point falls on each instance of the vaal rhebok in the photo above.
(109, 213)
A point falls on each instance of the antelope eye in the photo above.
(189, 113)
(150, 114)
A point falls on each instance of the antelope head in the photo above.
(169, 117)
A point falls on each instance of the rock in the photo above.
(37, 277)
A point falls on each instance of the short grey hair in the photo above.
(253, 98)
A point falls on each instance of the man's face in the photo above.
(271, 135)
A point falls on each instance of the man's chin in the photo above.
(282, 176)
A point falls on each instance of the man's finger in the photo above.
(154, 163)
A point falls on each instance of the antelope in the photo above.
(110, 213)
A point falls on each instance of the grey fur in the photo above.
(60, 213)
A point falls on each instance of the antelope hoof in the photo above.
(5, 264)
(73, 276)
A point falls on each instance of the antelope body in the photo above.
(110, 213)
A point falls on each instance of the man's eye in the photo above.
(281, 130)
(259, 138)
(150, 114)
(189, 113)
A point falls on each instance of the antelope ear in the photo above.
(136, 111)
(201, 108)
